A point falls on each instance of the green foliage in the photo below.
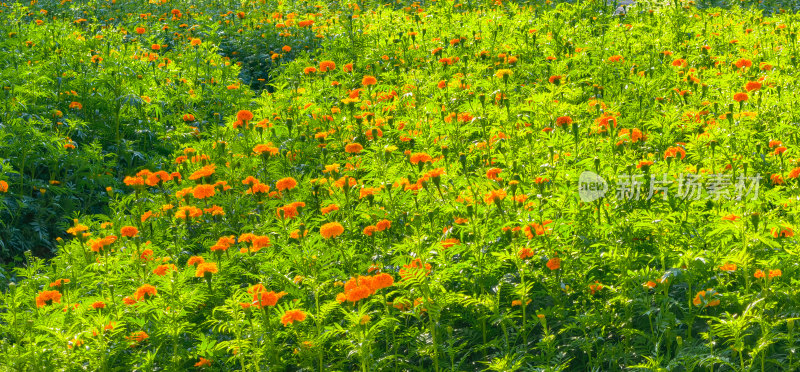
(367, 186)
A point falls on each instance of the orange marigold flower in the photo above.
(59, 283)
(98, 305)
(382, 280)
(47, 297)
(206, 268)
(743, 63)
(331, 230)
(287, 183)
(740, 97)
(554, 263)
(383, 225)
(3, 186)
(369, 80)
(596, 286)
(730, 267)
(420, 157)
(162, 270)
(759, 274)
(494, 196)
(203, 172)
(752, 85)
(265, 149)
(329, 209)
(203, 362)
(563, 120)
(353, 148)
(203, 191)
(292, 316)
(129, 231)
(138, 336)
(774, 273)
(145, 292)
(525, 253)
(369, 230)
(326, 66)
(492, 173)
(244, 115)
(263, 298)
(447, 243)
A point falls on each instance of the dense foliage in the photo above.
(359, 185)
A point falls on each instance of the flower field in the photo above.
(399, 186)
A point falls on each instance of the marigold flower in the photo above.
(420, 157)
(503, 73)
(203, 191)
(447, 243)
(287, 183)
(265, 149)
(138, 336)
(369, 80)
(162, 270)
(48, 297)
(206, 268)
(195, 260)
(59, 283)
(729, 267)
(554, 263)
(195, 42)
(331, 230)
(3, 186)
(292, 316)
(98, 305)
(205, 171)
(775, 273)
(759, 274)
(383, 225)
(740, 97)
(326, 66)
(492, 173)
(525, 252)
(743, 63)
(752, 85)
(494, 196)
(369, 230)
(262, 298)
(330, 208)
(145, 292)
(244, 115)
(203, 362)
(353, 148)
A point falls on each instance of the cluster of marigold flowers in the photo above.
(361, 287)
